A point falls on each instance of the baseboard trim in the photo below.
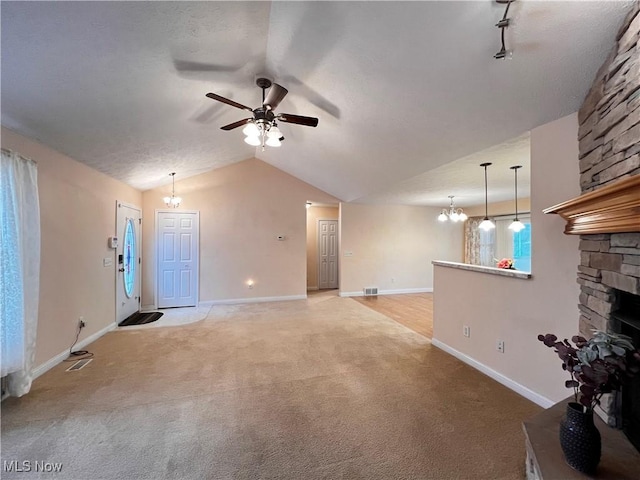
(312, 289)
(234, 301)
(536, 398)
(399, 291)
(49, 364)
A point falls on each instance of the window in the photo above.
(129, 260)
(502, 243)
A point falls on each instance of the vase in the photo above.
(580, 439)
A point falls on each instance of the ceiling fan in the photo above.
(261, 128)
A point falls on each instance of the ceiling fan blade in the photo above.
(187, 66)
(275, 96)
(237, 124)
(228, 102)
(298, 119)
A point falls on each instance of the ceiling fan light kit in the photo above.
(262, 129)
(502, 24)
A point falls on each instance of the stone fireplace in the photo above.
(607, 214)
(609, 264)
(609, 136)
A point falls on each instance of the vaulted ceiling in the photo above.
(401, 89)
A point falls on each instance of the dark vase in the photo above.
(580, 439)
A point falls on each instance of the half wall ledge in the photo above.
(480, 269)
(611, 209)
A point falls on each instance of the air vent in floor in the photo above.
(79, 364)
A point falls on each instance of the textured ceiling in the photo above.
(464, 179)
(400, 89)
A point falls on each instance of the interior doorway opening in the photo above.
(322, 247)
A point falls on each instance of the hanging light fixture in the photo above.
(486, 224)
(516, 225)
(455, 215)
(173, 201)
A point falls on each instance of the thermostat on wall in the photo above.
(113, 242)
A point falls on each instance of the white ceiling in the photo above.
(401, 89)
(464, 179)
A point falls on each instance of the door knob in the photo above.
(121, 269)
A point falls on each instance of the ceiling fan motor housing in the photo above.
(263, 82)
(263, 118)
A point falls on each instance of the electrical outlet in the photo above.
(466, 330)
(500, 346)
(81, 323)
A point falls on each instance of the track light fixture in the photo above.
(516, 225)
(502, 24)
(486, 224)
(454, 214)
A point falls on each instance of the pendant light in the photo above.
(454, 214)
(516, 225)
(486, 224)
(173, 201)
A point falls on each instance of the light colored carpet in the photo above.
(318, 389)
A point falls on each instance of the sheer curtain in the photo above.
(19, 269)
(472, 241)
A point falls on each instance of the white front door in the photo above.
(328, 253)
(128, 260)
(178, 242)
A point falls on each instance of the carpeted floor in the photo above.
(319, 389)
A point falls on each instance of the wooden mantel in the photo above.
(611, 209)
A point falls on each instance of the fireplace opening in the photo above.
(626, 320)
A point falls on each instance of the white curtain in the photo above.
(472, 241)
(19, 269)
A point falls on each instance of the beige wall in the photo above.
(500, 208)
(393, 246)
(514, 310)
(313, 215)
(243, 208)
(77, 214)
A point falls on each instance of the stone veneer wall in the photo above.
(609, 136)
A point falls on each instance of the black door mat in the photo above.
(140, 318)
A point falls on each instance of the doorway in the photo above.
(178, 245)
(128, 260)
(327, 254)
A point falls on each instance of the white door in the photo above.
(178, 243)
(128, 260)
(328, 253)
